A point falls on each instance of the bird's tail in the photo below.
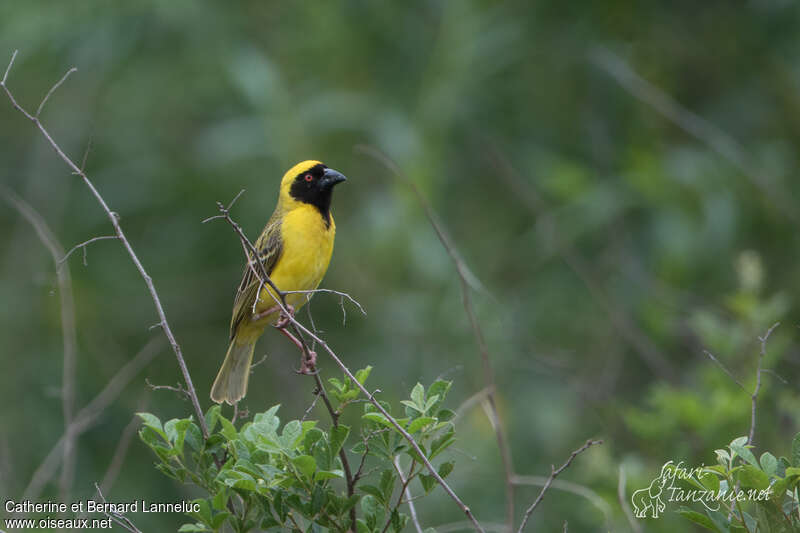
(231, 383)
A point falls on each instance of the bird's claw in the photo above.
(283, 321)
(309, 365)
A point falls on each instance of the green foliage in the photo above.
(268, 476)
(762, 493)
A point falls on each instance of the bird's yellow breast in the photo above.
(307, 248)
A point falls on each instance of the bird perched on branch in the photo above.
(295, 249)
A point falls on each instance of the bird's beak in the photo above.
(331, 178)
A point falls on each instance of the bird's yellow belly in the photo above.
(307, 249)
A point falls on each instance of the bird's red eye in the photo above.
(308, 177)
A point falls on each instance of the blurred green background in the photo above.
(619, 228)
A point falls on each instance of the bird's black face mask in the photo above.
(315, 186)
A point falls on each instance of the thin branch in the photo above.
(701, 129)
(178, 389)
(298, 327)
(467, 281)
(757, 389)
(114, 218)
(68, 333)
(8, 68)
(83, 245)
(342, 297)
(406, 493)
(619, 318)
(404, 485)
(553, 475)
(87, 416)
(118, 518)
(311, 407)
(117, 460)
(567, 486)
(724, 369)
(53, 89)
(623, 502)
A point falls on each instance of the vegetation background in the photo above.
(620, 228)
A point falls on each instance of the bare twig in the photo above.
(83, 245)
(759, 370)
(114, 218)
(342, 297)
(467, 281)
(403, 487)
(724, 369)
(53, 89)
(406, 493)
(623, 502)
(307, 412)
(553, 474)
(68, 333)
(567, 486)
(124, 443)
(277, 295)
(723, 144)
(260, 361)
(178, 389)
(118, 518)
(88, 415)
(754, 397)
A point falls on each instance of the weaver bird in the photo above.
(295, 249)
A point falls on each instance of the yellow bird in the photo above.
(295, 249)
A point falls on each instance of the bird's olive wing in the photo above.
(269, 247)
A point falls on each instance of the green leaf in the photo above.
(220, 500)
(430, 403)
(374, 492)
(194, 437)
(211, 417)
(445, 468)
(428, 482)
(742, 451)
(312, 437)
(291, 434)
(419, 423)
(218, 520)
(753, 477)
(204, 512)
(227, 429)
(328, 474)
(698, 518)
(176, 431)
(373, 511)
(388, 478)
(769, 463)
(363, 374)
(442, 442)
(418, 396)
(154, 423)
(377, 417)
(337, 438)
(439, 388)
(445, 414)
(186, 528)
(306, 464)
(413, 405)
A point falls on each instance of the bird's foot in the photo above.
(309, 365)
(283, 321)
